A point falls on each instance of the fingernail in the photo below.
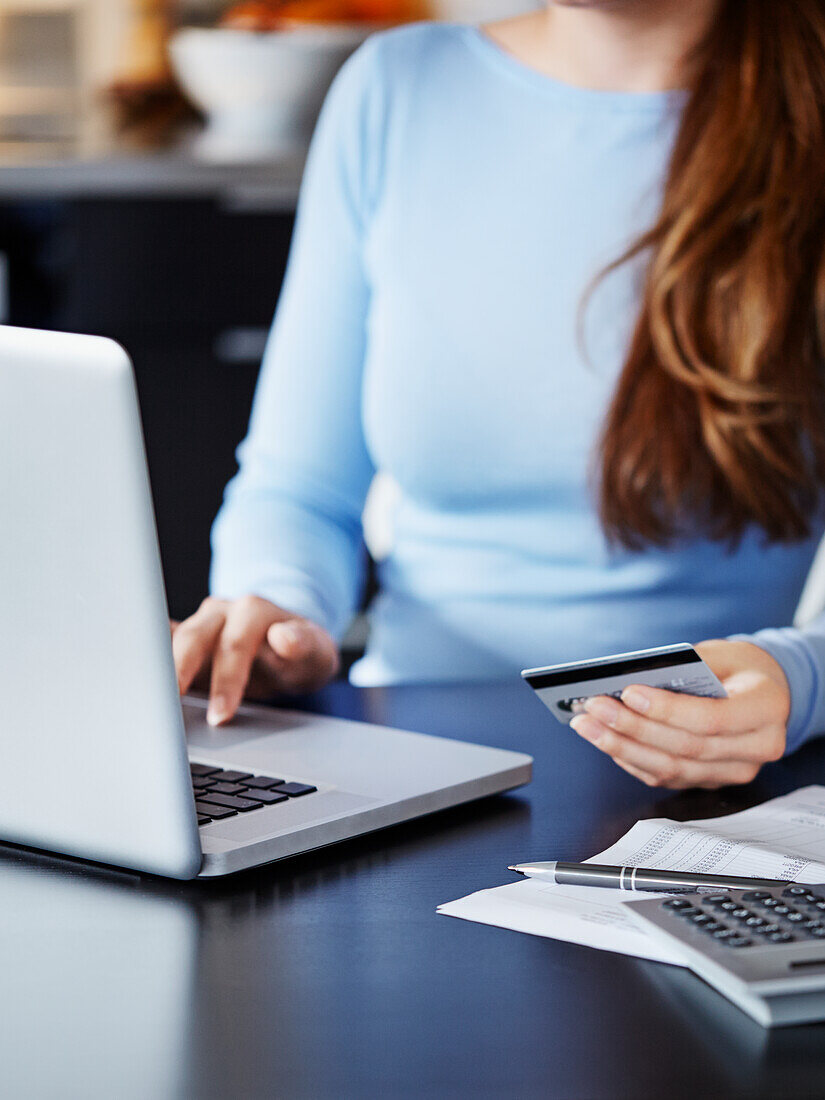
(604, 709)
(289, 639)
(588, 728)
(217, 711)
(634, 699)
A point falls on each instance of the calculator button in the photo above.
(796, 917)
(771, 903)
(756, 895)
(781, 937)
(795, 892)
(820, 905)
(818, 932)
(769, 929)
(742, 914)
(781, 910)
(729, 906)
(676, 903)
(712, 926)
(724, 934)
(811, 896)
(716, 899)
(737, 941)
(755, 922)
(702, 918)
(689, 912)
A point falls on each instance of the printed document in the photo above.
(783, 839)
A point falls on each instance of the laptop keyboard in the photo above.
(221, 793)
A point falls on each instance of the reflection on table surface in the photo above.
(97, 979)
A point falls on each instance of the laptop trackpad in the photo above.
(250, 724)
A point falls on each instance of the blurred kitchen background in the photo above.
(150, 159)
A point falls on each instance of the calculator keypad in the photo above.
(754, 917)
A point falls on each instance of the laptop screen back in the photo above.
(94, 760)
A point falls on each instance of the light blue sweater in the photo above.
(455, 206)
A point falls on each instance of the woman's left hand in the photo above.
(672, 740)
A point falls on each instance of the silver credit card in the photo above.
(564, 689)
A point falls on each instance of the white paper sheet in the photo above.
(783, 838)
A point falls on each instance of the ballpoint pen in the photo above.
(637, 878)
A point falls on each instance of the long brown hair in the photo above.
(718, 419)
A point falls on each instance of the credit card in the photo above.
(564, 689)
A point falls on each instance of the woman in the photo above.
(562, 278)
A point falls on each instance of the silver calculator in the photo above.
(762, 949)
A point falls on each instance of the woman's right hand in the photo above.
(249, 647)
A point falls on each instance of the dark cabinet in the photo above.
(189, 287)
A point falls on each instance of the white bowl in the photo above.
(260, 92)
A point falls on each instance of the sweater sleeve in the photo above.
(289, 528)
(801, 653)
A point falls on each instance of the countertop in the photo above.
(177, 174)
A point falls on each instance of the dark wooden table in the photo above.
(333, 976)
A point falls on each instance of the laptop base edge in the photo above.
(321, 835)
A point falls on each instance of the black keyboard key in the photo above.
(228, 788)
(781, 910)
(742, 913)
(770, 929)
(264, 781)
(729, 906)
(737, 941)
(231, 802)
(702, 919)
(202, 769)
(690, 912)
(724, 934)
(795, 892)
(676, 903)
(781, 937)
(818, 933)
(820, 905)
(218, 812)
(771, 903)
(755, 922)
(232, 777)
(295, 790)
(203, 820)
(796, 918)
(269, 797)
(715, 899)
(812, 897)
(756, 895)
(202, 782)
(712, 926)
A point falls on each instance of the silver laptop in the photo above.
(95, 756)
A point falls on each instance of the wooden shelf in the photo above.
(37, 101)
(93, 51)
(22, 152)
(40, 7)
